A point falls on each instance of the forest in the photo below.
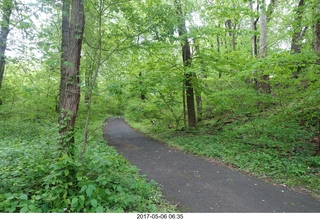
(236, 81)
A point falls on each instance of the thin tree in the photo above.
(316, 30)
(6, 10)
(254, 38)
(316, 47)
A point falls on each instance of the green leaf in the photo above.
(89, 192)
(66, 172)
(99, 209)
(74, 202)
(94, 203)
(83, 188)
(24, 209)
(92, 187)
(23, 197)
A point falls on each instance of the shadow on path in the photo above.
(196, 185)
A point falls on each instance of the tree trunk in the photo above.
(317, 31)
(186, 57)
(298, 31)
(186, 54)
(263, 33)
(264, 81)
(198, 92)
(6, 10)
(298, 34)
(254, 36)
(64, 50)
(316, 47)
(70, 93)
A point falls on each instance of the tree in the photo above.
(317, 30)
(186, 58)
(70, 90)
(264, 82)
(6, 10)
(298, 30)
(298, 33)
(254, 22)
(64, 50)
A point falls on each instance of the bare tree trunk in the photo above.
(184, 105)
(64, 50)
(186, 54)
(263, 33)
(316, 47)
(264, 81)
(254, 28)
(298, 30)
(317, 31)
(6, 11)
(198, 93)
(71, 91)
(186, 57)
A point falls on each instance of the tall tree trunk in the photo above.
(316, 47)
(317, 30)
(254, 28)
(186, 57)
(6, 11)
(263, 33)
(70, 93)
(186, 54)
(264, 82)
(64, 50)
(198, 93)
(298, 33)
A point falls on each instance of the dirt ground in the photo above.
(195, 184)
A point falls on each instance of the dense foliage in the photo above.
(36, 176)
(256, 103)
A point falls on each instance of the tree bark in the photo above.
(64, 50)
(317, 31)
(70, 93)
(6, 10)
(186, 57)
(264, 81)
(298, 31)
(254, 28)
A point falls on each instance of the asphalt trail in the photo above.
(195, 185)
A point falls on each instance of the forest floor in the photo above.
(197, 184)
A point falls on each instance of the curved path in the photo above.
(194, 184)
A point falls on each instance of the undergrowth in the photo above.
(36, 177)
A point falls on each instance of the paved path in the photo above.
(196, 185)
